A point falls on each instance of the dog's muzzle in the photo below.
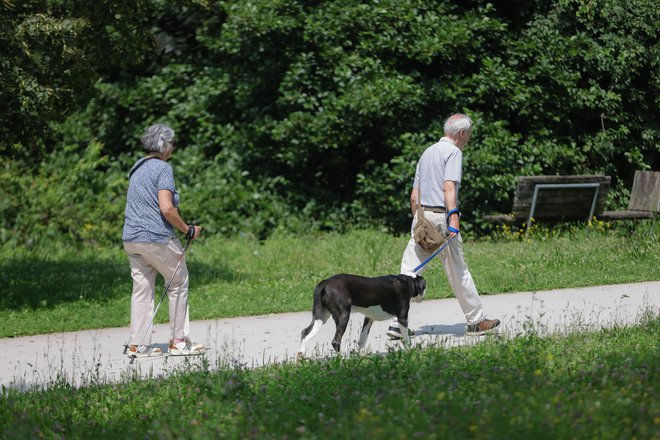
(418, 298)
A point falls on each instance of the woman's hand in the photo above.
(193, 231)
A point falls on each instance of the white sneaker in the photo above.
(186, 348)
(143, 351)
(195, 346)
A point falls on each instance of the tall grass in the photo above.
(593, 385)
(56, 288)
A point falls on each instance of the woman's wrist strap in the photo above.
(191, 231)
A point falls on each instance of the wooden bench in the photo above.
(644, 198)
(556, 198)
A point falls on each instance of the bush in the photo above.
(79, 197)
(319, 111)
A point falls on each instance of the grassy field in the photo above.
(581, 385)
(64, 289)
(601, 385)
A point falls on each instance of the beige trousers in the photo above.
(147, 261)
(453, 261)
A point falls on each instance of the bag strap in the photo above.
(420, 210)
(139, 165)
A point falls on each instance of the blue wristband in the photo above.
(452, 229)
(454, 211)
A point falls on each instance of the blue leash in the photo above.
(434, 254)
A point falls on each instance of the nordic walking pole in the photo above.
(167, 287)
(434, 254)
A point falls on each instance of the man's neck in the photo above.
(450, 139)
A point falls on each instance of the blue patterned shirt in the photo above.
(143, 220)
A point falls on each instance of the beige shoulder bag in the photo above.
(425, 232)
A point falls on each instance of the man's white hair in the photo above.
(457, 122)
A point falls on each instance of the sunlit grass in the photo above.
(583, 385)
(63, 289)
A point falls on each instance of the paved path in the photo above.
(94, 356)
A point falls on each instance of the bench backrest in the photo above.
(645, 194)
(562, 200)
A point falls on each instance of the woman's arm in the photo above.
(171, 214)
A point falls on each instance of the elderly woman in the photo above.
(152, 248)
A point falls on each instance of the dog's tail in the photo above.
(317, 309)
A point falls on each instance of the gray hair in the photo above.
(457, 122)
(155, 137)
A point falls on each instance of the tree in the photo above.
(53, 53)
(319, 110)
(579, 90)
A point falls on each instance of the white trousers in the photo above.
(453, 261)
(147, 261)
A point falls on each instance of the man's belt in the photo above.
(437, 209)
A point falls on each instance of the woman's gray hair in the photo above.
(457, 122)
(155, 137)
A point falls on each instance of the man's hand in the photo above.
(454, 225)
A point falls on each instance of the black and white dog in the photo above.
(378, 299)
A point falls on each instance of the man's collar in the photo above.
(446, 139)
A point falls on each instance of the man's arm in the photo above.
(449, 188)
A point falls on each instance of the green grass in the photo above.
(585, 385)
(65, 289)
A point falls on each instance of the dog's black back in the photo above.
(377, 298)
(389, 291)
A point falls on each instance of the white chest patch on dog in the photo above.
(374, 312)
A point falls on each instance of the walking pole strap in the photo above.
(434, 254)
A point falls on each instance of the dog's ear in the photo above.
(420, 285)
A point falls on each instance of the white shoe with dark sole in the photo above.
(395, 333)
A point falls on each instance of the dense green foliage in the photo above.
(584, 385)
(56, 288)
(53, 52)
(297, 114)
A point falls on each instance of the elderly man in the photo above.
(438, 177)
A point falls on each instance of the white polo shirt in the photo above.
(440, 162)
